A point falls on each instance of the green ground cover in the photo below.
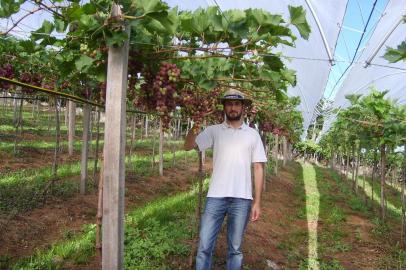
(23, 190)
(152, 234)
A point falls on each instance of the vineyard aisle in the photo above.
(310, 220)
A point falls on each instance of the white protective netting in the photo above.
(390, 32)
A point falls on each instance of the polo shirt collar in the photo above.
(242, 127)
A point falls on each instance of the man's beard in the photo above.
(237, 117)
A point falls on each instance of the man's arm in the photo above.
(190, 142)
(259, 183)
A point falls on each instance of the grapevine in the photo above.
(8, 72)
(200, 105)
(160, 93)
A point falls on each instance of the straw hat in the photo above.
(233, 94)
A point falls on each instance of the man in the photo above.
(235, 148)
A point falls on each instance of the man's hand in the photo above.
(190, 138)
(255, 212)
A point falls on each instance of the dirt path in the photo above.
(279, 238)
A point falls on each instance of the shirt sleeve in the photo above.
(205, 139)
(258, 152)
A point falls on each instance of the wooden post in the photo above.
(66, 113)
(275, 152)
(114, 150)
(71, 127)
(99, 216)
(383, 171)
(96, 150)
(85, 148)
(402, 228)
(56, 149)
(285, 150)
(161, 148)
(146, 126)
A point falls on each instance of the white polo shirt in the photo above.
(234, 150)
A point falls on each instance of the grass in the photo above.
(144, 144)
(315, 247)
(22, 191)
(396, 257)
(393, 196)
(152, 234)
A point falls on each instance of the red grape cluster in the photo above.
(48, 84)
(30, 78)
(277, 131)
(160, 93)
(266, 126)
(269, 127)
(85, 92)
(7, 72)
(200, 104)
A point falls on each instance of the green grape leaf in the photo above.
(116, 39)
(46, 29)
(60, 25)
(9, 7)
(289, 75)
(207, 84)
(396, 55)
(298, 19)
(83, 63)
(150, 6)
(269, 75)
(273, 62)
(215, 19)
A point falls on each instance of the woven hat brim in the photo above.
(246, 102)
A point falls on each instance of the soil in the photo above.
(263, 238)
(23, 234)
(38, 229)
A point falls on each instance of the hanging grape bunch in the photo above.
(277, 131)
(32, 79)
(266, 126)
(160, 93)
(7, 72)
(200, 104)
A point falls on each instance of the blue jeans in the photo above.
(237, 211)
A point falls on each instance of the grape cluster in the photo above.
(270, 127)
(30, 78)
(277, 131)
(65, 85)
(85, 92)
(200, 105)
(266, 126)
(7, 72)
(159, 93)
(49, 84)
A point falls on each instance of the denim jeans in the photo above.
(237, 211)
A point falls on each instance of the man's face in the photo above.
(233, 109)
